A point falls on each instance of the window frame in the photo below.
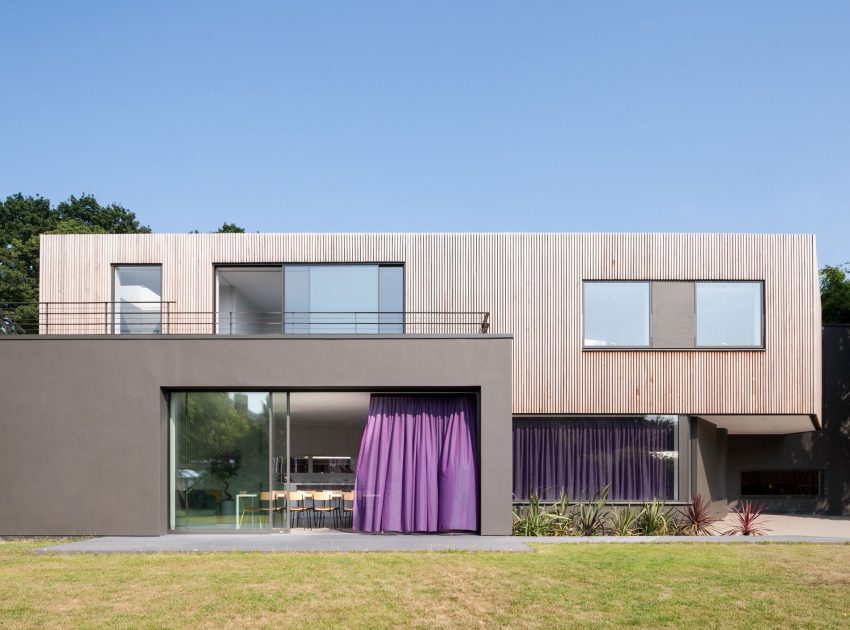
(762, 315)
(818, 471)
(608, 348)
(694, 347)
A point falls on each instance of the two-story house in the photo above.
(398, 382)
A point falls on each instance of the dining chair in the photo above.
(297, 507)
(269, 504)
(348, 507)
(250, 507)
(324, 504)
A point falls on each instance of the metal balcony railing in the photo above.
(109, 318)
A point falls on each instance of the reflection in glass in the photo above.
(343, 299)
(138, 299)
(636, 457)
(220, 450)
(729, 314)
(616, 314)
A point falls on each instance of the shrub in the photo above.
(535, 519)
(589, 519)
(697, 519)
(655, 519)
(747, 520)
(624, 521)
(532, 519)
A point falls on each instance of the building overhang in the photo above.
(773, 424)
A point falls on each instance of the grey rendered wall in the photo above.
(83, 430)
(708, 462)
(828, 449)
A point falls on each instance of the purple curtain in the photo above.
(633, 456)
(417, 469)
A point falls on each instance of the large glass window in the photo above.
(729, 314)
(616, 314)
(220, 460)
(138, 299)
(636, 457)
(349, 299)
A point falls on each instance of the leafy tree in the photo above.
(24, 218)
(835, 294)
(230, 228)
(226, 228)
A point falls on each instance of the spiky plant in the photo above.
(747, 520)
(655, 519)
(589, 518)
(624, 521)
(531, 519)
(697, 519)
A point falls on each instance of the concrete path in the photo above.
(783, 528)
(309, 542)
(793, 525)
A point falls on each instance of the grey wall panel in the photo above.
(708, 463)
(673, 315)
(531, 283)
(83, 420)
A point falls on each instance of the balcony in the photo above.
(165, 318)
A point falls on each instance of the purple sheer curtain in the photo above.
(633, 456)
(417, 469)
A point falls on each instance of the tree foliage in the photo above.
(835, 294)
(230, 228)
(24, 218)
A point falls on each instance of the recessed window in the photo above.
(138, 299)
(616, 314)
(636, 457)
(781, 483)
(729, 314)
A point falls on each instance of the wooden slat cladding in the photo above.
(532, 285)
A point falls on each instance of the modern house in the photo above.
(402, 382)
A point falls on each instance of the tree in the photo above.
(835, 294)
(230, 228)
(24, 218)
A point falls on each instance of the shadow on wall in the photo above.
(827, 450)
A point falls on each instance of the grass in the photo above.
(599, 586)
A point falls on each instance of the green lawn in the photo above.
(774, 586)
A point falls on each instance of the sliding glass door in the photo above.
(268, 461)
(220, 460)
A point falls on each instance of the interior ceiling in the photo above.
(262, 287)
(762, 425)
(329, 407)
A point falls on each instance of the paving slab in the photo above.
(309, 542)
(783, 529)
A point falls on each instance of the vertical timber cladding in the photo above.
(532, 286)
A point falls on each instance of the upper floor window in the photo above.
(333, 298)
(729, 314)
(616, 314)
(310, 298)
(137, 298)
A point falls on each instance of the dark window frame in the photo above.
(694, 347)
(819, 473)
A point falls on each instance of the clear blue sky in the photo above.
(436, 116)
